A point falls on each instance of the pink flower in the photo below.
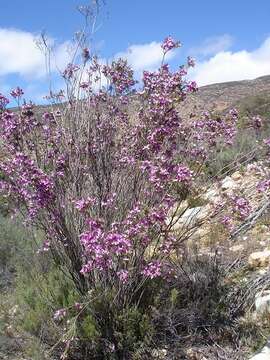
(3, 101)
(46, 247)
(169, 43)
(256, 122)
(83, 204)
(152, 270)
(263, 185)
(86, 54)
(227, 222)
(70, 71)
(78, 306)
(60, 314)
(190, 61)
(123, 275)
(17, 92)
(241, 206)
(183, 174)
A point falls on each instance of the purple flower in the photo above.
(169, 43)
(69, 71)
(190, 61)
(84, 204)
(17, 92)
(85, 54)
(227, 222)
(152, 270)
(256, 122)
(123, 275)
(60, 314)
(183, 174)
(263, 185)
(78, 306)
(241, 206)
(85, 85)
(46, 246)
(120, 75)
(3, 102)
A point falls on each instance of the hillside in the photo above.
(248, 95)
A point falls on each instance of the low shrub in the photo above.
(103, 185)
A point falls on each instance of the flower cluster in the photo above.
(153, 269)
(169, 43)
(103, 172)
(190, 61)
(263, 185)
(256, 122)
(70, 71)
(3, 102)
(27, 183)
(17, 93)
(83, 204)
(101, 247)
(60, 314)
(241, 206)
(120, 75)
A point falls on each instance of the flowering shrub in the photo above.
(102, 171)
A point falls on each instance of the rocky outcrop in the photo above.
(259, 259)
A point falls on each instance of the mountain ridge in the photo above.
(222, 96)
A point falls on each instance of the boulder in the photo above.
(236, 176)
(236, 248)
(259, 259)
(191, 216)
(212, 195)
(264, 354)
(228, 184)
(262, 302)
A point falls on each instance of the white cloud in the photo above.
(19, 54)
(213, 45)
(232, 66)
(145, 56)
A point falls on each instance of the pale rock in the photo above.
(201, 233)
(236, 176)
(262, 271)
(259, 259)
(264, 354)
(236, 248)
(262, 302)
(194, 355)
(228, 183)
(191, 216)
(159, 354)
(212, 195)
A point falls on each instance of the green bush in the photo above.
(255, 105)
(39, 295)
(229, 159)
(14, 242)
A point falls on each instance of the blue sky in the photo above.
(230, 39)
